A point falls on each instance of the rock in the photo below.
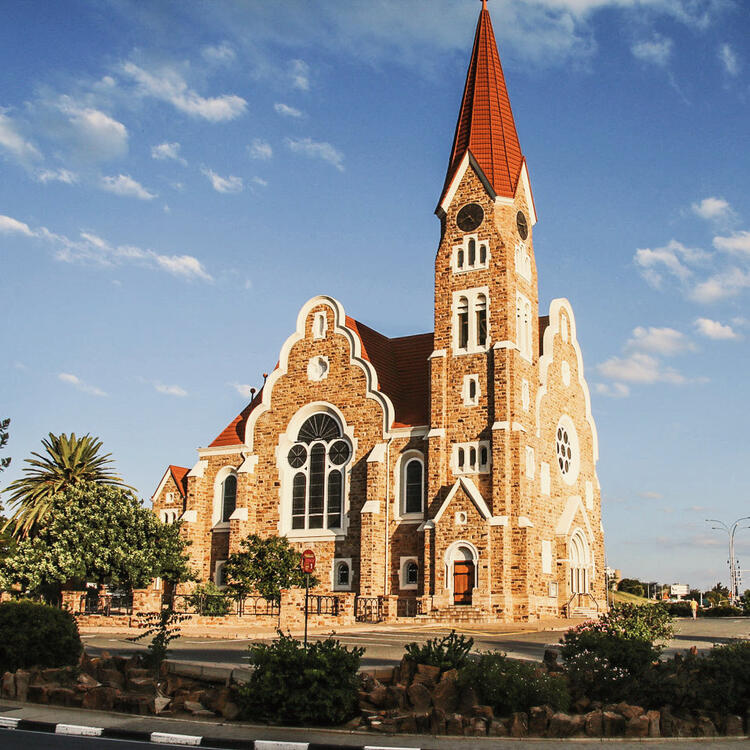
(654, 718)
(613, 724)
(379, 696)
(58, 675)
(9, 685)
(454, 724)
(684, 728)
(37, 694)
(637, 726)
(175, 683)
(419, 696)
(427, 674)
(497, 729)
(406, 670)
(483, 712)
(205, 712)
(627, 710)
(468, 700)
(423, 721)
(85, 680)
(193, 707)
(705, 727)
(406, 723)
(111, 678)
(733, 726)
(478, 727)
(667, 723)
(582, 705)
(23, 679)
(519, 724)
(594, 724)
(539, 717)
(161, 704)
(565, 725)
(230, 711)
(550, 658)
(62, 696)
(445, 695)
(437, 721)
(396, 696)
(100, 698)
(145, 685)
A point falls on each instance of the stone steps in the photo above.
(457, 614)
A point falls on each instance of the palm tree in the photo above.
(69, 461)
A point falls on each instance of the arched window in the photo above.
(413, 486)
(472, 252)
(460, 259)
(480, 307)
(579, 564)
(228, 497)
(342, 574)
(482, 254)
(318, 458)
(463, 323)
(411, 573)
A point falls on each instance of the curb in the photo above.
(167, 738)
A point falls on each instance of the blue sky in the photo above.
(178, 178)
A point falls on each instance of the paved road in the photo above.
(385, 644)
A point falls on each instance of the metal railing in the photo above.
(222, 605)
(368, 609)
(118, 603)
(319, 604)
(408, 606)
(579, 596)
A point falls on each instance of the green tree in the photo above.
(4, 424)
(717, 596)
(69, 462)
(96, 532)
(632, 586)
(264, 565)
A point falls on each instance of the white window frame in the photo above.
(544, 478)
(524, 336)
(169, 498)
(400, 485)
(335, 585)
(546, 557)
(571, 476)
(472, 297)
(221, 476)
(525, 395)
(466, 390)
(463, 248)
(402, 584)
(523, 261)
(468, 467)
(530, 462)
(320, 325)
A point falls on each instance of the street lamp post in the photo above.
(733, 571)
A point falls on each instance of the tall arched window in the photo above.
(228, 497)
(318, 458)
(480, 307)
(579, 564)
(413, 486)
(472, 251)
(463, 323)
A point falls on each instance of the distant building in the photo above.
(457, 467)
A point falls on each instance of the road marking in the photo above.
(273, 745)
(8, 723)
(79, 731)
(164, 738)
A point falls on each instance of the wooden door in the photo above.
(463, 582)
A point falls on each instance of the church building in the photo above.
(454, 469)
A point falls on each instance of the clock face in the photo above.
(470, 217)
(523, 227)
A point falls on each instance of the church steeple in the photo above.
(485, 125)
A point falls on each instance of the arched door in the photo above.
(463, 576)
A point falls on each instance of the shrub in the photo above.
(163, 627)
(447, 653)
(723, 610)
(648, 622)
(34, 634)
(510, 686)
(292, 684)
(208, 599)
(678, 609)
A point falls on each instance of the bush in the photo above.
(292, 684)
(447, 653)
(34, 634)
(678, 609)
(723, 610)
(208, 599)
(591, 675)
(510, 686)
(648, 622)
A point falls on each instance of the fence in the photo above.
(368, 609)
(116, 603)
(318, 604)
(221, 605)
(408, 607)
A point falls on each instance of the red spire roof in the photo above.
(485, 122)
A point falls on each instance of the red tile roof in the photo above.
(485, 122)
(403, 374)
(179, 474)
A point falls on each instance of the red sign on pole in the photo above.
(308, 561)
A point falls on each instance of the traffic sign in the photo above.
(308, 561)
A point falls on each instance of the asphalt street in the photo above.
(384, 645)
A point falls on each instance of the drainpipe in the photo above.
(386, 574)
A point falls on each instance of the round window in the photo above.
(566, 448)
(339, 452)
(297, 456)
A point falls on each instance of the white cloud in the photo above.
(673, 258)
(127, 187)
(170, 390)
(729, 59)
(13, 142)
(728, 283)
(656, 51)
(639, 368)
(664, 341)
(286, 111)
(76, 382)
(182, 265)
(169, 86)
(260, 181)
(650, 495)
(57, 175)
(738, 243)
(164, 151)
(317, 150)
(221, 184)
(712, 329)
(713, 209)
(260, 149)
(243, 389)
(615, 390)
(220, 53)
(9, 225)
(96, 134)
(300, 74)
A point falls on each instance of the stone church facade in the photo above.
(455, 468)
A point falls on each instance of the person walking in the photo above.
(694, 608)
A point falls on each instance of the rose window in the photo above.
(564, 450)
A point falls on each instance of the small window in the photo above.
(472, 389)
(470, 393)
(169, 497)
(409, 573)
(482, 254)
(473, 458)
(472, 252)
(412, 573)
(414, 486)
(320, 324)
(342, 574)
(463, 323)
(481, 312)
(229, 497)
(484, 457)
(220, 576)
(460, 259)
(461, 459)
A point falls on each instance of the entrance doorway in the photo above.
(463, 581)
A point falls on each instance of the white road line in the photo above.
(79, 731)
(164, 738)
(273, 745)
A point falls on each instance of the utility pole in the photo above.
(733, 563)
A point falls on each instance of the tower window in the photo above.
(471, 320)
(472, 252)
(470, 392)
(471, 458)
(463, 323)
(229, 497)
(413, 486)
(480, 306)
(523, 326)
(471, 255)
